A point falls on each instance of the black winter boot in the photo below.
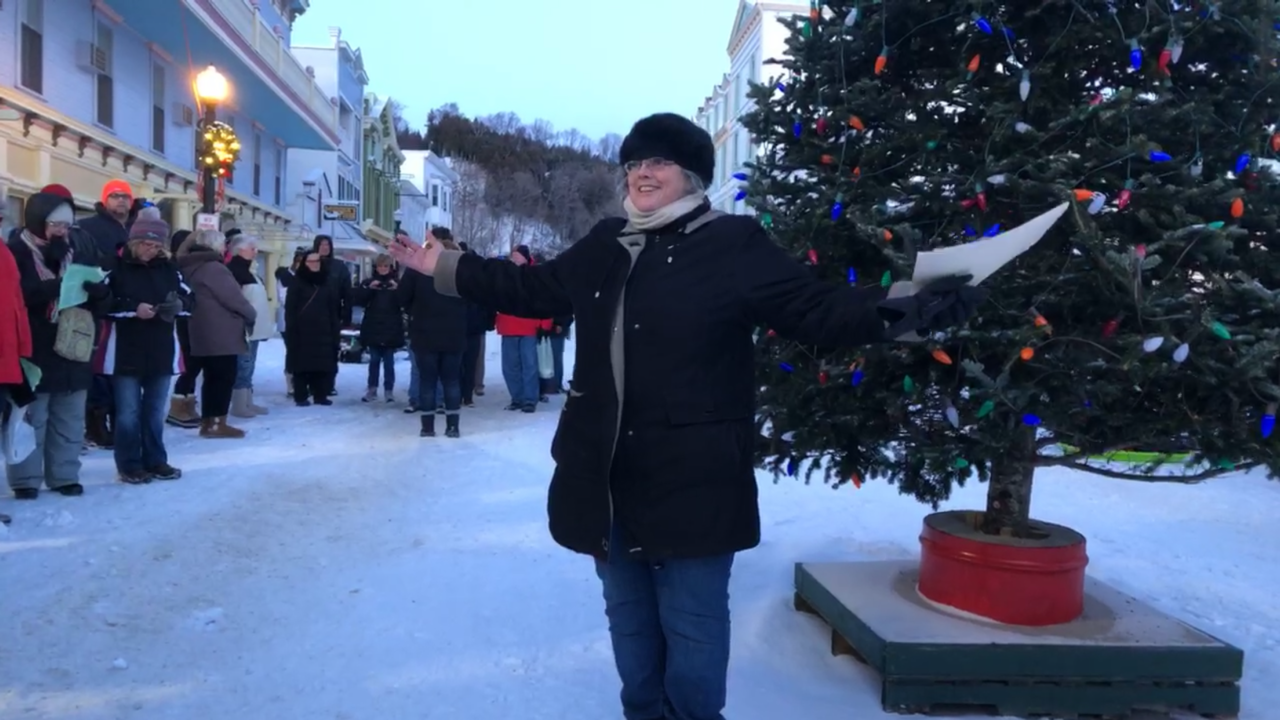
(428, 425)
(451, 426)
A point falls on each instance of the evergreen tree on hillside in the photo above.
(1147, 318)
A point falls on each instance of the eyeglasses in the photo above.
(58, 225)
(654, 163)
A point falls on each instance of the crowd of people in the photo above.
(99, 316)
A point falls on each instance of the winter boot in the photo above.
(182, 412)
(217, 428)
(288, 384)
(428, 425)
(370, 395)
(451, 426)
(240, 404)
(389, 395)
(255, 408)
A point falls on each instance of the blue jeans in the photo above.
(557, 350)
(669, 623)
(245, 365)
(520, 369)
(441, 376)
(141, 408)
(415, 378)
(382, 359)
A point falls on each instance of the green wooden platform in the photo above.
(1123, 656)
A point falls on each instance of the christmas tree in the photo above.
(1146, 319)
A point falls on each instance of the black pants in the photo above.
(219, 380)
(469, 357)
(312, 386)
(186, 384)
(444, 368)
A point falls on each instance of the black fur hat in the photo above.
(675, 138)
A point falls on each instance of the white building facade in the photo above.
(756, 37)
(435, 181)
(324, 187)
(413, 215)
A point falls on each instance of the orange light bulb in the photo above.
(1027, 353)
(941, 356)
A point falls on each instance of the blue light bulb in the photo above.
(786, 367)
(837, 210)
(993, 231)
(740, 195)
(856, 379)
(1268, 425)
(853, 276)
(983, 25)
(1242, 162)
(1030, 419)
(1159, 156)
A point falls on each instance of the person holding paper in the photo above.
(62, 346)
(654, 466)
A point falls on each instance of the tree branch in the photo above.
(1071, 464)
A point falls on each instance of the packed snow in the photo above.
(335, 565)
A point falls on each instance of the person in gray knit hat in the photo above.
(141, 356)
(655, 473)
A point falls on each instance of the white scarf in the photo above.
(640, 221)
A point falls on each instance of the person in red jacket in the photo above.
(15, 340)
(520, 349)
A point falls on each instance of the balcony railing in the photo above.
(246, 21)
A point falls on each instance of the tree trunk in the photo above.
(1008, 509)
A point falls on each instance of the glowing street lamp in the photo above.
(212, 88)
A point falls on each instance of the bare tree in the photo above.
(609, 147)
(542, 131)
(506, 123)
(575, 139)
(472, 220)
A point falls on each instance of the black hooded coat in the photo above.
(313, 322)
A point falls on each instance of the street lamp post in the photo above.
(399, 216)
(211, 88)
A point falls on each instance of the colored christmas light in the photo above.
(1162, 62)
(1152, 343)
(838, 208)
(786, 367)
(882, 60)
(851, 18)
(813, 256)
(986, 408)
(1268, 424)
(993, 231)
(1030, 419)
(791, 466)
(1242, 163)
(1024, 85)
(1110, 327)
(821, 126)
(1237, 208)
(1135, 55)
(1125, 196)
(1039, 321)
(952, 415)
(1027, 353)
(740, 176)
(856, 123)
(886, 279)
(908, 385)
(798, 128)
(941, 356)
(856, 378)
(853, 276)
(961, 463)
(1180, 354)
(982, 24)
(1220, 330)
(1096, 203)
(823, 377)
(1159, 156)
(740, 196)
(974, 63)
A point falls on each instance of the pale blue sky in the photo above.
(597, 65)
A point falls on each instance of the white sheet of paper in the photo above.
(981, 258)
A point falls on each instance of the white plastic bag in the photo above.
(19, 436)
(546, 359)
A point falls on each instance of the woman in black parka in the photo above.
(438, 338)
(382, 327)
(313, 319)
(654, 470)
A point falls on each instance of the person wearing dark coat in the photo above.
(382, 327)
(183, 410)
(655, 473)
(313, 316)
(438, 338)
(141, 355)
(109, 227)
(340, 281)
(43, 254)
(480, 321)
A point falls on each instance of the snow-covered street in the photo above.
(334, 565)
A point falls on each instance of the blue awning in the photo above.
(173, 26)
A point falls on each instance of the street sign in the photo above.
(206, 221)
(340, 211)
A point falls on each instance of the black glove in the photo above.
(97, 290)
(169, 309)
(943, 303)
